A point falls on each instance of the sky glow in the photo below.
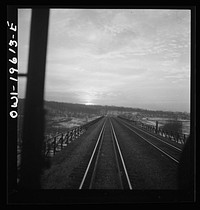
(122, 57)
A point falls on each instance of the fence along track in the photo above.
(96, 153)
(179, 138)
(57, 142)
(174, 147)
(162, 151)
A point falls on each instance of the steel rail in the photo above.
(96, 152)
(153, 136)
(96, 161)
(172, 158)
(122, 159)
(116, 158)
(90, 161)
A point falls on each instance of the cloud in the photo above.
(115, 56)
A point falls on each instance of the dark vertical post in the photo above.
(54, 146)
(156, 126)
(67, 138)
(184, 138)
(71, 135)
(172, 135)
(33, 127)
(80, 130)
(49, 148)
(167, 135)
(178, 137)
(61, 141)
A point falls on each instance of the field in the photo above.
(57, 125)
(185, 124)
(61, 117)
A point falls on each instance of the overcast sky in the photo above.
(122, 57)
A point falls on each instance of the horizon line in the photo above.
(115, 106)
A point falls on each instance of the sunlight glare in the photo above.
(88, 103)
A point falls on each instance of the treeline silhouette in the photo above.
(54, 107)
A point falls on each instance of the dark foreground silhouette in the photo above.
(186, 167)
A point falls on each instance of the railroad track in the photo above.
(167, 149)
(115, 155)
(106, 168)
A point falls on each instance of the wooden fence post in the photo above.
(67, 137)
(172, 136)
(48, 148)
(156, 126)
(178, 138)
(61, 141)
(54, 146)
(73, 134)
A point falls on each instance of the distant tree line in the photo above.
(53, 107)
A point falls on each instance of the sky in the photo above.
(136, 58)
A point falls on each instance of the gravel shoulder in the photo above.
(68, 166)
(147, 168)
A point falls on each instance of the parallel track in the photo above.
(157, 143)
